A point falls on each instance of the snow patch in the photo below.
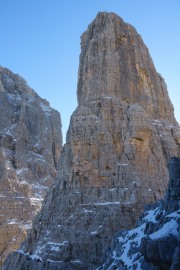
(48, 260)
(94, 233)
(123, 164)
(35, 200)
(151, 215)
(27, 226)
(21, 171)
(87, 211)
(128, 239)
(58, 244)
(9, 130)
(107, 203)
(45, 108)
(107, 97)
(76, 261)
(12, 221)
(112, 189)
(34, 256)
(168, 228)
(13, 97)
(174, 214)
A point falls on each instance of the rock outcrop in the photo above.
(155, 243)
(30, 144)
(114, 161)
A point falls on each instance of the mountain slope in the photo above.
(30, 145)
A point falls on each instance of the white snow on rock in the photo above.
(151, 215)
(45, 108)
(127, 253)
(168, 228)
(107, 203)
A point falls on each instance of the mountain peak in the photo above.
(115, 62)
(119, 141)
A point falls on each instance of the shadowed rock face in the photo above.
(155, 243)
(119, 141)
(30, 144)
(173, 193)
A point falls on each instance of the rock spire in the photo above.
(118, 144)
(30, 145)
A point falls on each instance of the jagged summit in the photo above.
(14, 84)
(119, 141)
(115, 62)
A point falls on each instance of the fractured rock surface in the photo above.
(155, 243)
(118, 144)
(30, 144)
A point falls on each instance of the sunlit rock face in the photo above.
(30, 145)
(118, 144)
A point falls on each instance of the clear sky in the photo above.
(40, 40)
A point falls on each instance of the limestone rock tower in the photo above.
(114, 161)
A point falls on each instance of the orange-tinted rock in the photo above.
(118, 144)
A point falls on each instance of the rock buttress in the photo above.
(30, 144)
(118, 144)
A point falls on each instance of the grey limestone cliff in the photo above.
(30, 145)
(114, 161)
(155, 243)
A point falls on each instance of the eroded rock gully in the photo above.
(30, 145)
(114, 161)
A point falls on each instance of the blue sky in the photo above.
(40, 40)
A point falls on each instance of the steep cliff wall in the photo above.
(118, 144)
(30, 144)
(155, 243)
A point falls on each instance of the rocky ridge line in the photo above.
(30, 145)
(119, 141)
